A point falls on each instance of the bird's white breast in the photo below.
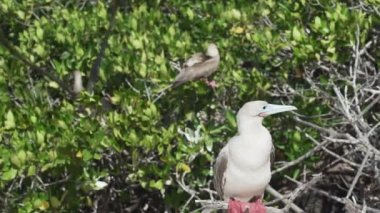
(248, 169)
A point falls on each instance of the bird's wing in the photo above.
(195, 59)
(272, 155)
(219, 170)
(205, 68)
(198, 70)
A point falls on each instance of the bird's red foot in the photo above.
(211, 83)
(236, 206)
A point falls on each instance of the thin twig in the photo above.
(301, 188)
(358, 173)
(276, 194)
(332, 153)
(94, 74)
(301, 158)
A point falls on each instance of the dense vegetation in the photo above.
(57, 146)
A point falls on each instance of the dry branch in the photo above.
(348, 134)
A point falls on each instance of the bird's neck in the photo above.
(250, 125)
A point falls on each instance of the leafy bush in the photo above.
(57, 147)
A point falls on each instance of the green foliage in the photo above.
(54, 148)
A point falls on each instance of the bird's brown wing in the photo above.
(219, 170)
(205, 68)
(198, 70)
(195, 59)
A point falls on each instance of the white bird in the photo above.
(242, 169)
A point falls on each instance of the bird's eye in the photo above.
(264, 107)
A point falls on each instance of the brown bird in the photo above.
(199, 65)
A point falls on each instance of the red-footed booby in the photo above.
(199, 65)
(242, 168)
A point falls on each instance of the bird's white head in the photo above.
(262, 109)
(212, 50)
(252, 113)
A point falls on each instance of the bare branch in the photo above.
(94, 75)
(276, 194)
(301, 188)
(301, 158)
(358, 174)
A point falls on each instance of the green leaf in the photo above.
(22, 156)
(40, 136)
(297, 136)
(171, 30)
(33, 119)
(236, 14)
(9, 175)
(231, 119)
(156, 184)
(137, 43)
(39, 49)
(87, 155)
(53, 84)
(331, 49)
(143, 70)
(46, 167)
(134, 23)
(60, 37)
(296, 173)
(20, 14)
(102, 12)
(55, 203)
(41, 204)
(265, 12)
(296, 34)
(39, 33)
(190, 13)
(16, 161)
(183, 167)
(62, 124)
(31, 171)
(317, 22)
(10, 120)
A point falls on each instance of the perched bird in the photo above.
(199, 65)
(242, 168)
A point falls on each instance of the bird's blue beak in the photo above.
(271, 109)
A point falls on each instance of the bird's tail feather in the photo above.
(162, 92)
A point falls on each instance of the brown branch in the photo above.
(314, 126)
(94, 74)
(344, 201)
(299, 189)
(358, 174)
(369, 106)
(332, 153)
(301, 158)
(278, 195)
